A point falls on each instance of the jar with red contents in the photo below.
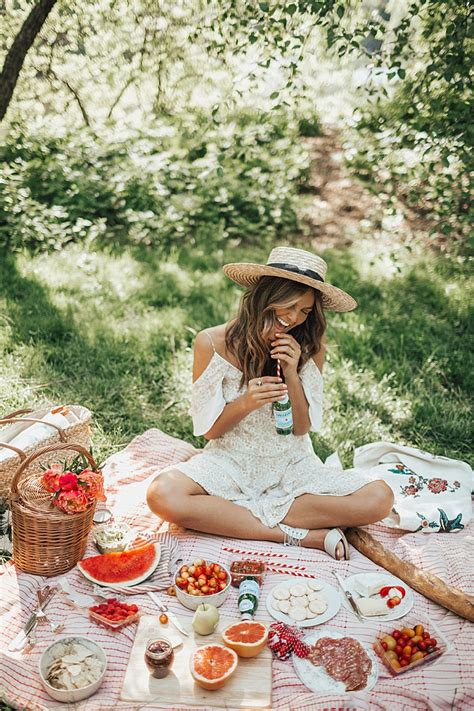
(242, 569)
(159, 656)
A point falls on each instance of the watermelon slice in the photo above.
(126, 568)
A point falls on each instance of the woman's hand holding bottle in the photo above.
(264, 390)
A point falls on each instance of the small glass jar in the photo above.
(159, 656)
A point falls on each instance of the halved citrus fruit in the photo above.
(213, 665)
(247, 638)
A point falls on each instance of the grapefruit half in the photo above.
(213, 665)
(248, 638)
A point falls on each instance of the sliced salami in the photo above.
(344, 660)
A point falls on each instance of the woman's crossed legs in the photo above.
(178, 499)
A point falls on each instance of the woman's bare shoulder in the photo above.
(213, 337)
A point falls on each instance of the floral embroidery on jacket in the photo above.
(445, 524)
(401, 469)
(417, 483)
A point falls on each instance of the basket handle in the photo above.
(16, 414)
(44, 450)
(19, 451)
(8, 421)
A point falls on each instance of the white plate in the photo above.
(128, 583)
(328, 592)
(318, 680)
(392, 613)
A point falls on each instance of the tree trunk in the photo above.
(19, 49)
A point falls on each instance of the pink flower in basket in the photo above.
(93, 482)
(73, 501)
(68, 482)
(51, 478)
(74, 488)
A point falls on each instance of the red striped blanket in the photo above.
(447, 684)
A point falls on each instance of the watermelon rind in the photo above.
(127, 583)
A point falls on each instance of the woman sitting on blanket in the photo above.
(249, 481)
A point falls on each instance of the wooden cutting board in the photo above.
(250, 687)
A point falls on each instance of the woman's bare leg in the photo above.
(178, 499)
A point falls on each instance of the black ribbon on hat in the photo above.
(296, 270)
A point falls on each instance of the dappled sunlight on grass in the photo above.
(115, 334)
(359, 408)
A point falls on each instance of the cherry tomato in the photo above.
(404, 662)
(422, 645)
(399, 649)
(426, 635)
(433, 642)
(396, 634)
(404, 637)
(163, 619)
(419, 629)
(384, 645)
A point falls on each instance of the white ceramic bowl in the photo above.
(192, 602)
(65, 695)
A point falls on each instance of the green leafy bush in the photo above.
(193, 182)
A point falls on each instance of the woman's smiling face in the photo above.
(295, 313)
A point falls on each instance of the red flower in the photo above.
(437, 485)
(410, 490)
(68, 482)
(51, 478)
(93, 483)
(424, 523)
(72, 501)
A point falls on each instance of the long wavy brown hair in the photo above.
(247, 338)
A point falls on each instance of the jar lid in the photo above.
(102, 516)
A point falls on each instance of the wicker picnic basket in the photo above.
(77, 432)
(46, 541)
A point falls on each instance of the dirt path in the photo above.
(334, 201)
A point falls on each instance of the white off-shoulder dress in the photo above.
(251, 464)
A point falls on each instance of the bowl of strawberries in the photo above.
(202, 581)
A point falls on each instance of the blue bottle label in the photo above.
(283, 419)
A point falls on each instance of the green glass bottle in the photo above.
(249, 591)
(283, 415)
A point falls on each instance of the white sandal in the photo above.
(332, 540)
(294, 536)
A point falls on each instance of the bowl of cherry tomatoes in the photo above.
(202, 581)
(407, 647)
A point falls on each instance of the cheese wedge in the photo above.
(369, 607)
(368, 589)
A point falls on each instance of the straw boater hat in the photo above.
(296, 265)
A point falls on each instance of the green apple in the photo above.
(205, 619)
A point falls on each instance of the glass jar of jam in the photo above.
(159, 656)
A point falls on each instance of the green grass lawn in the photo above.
(115, 333)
